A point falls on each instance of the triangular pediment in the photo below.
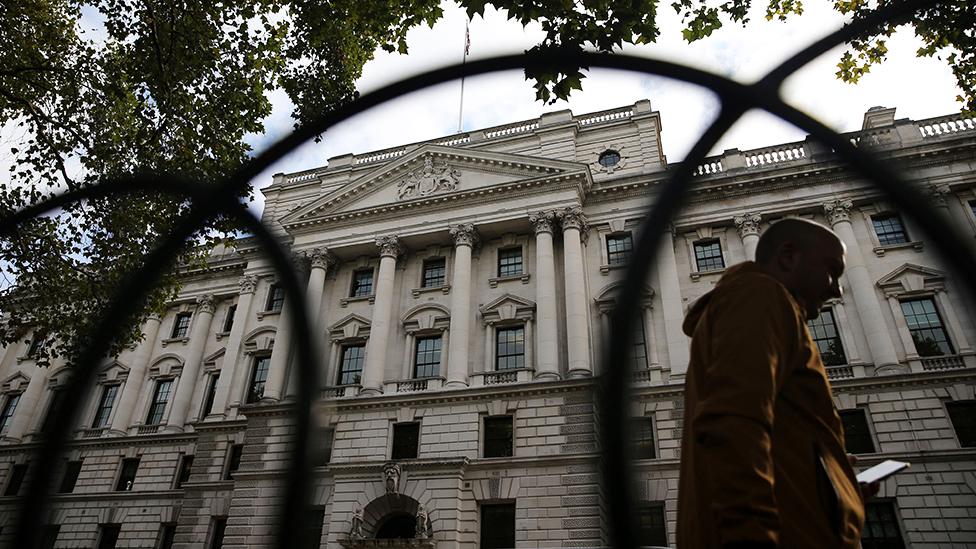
(350, 326)
(18, 380)
(432, 172)
(507, 307)
(911, 278)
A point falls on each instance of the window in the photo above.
(651, 526)
(889, 229)
(643, 433)
(183, 471)
(71, 472)
(105, 404)
(498, 436)
(823, 330)
(435, 273)
(108, 535)
(49, 536)
(208, 399)
(17, 473)
(313, 528)
(428, 357)
(167, 531)
(217, 528)
(609, 158)
(229, 319)
(962, 414)
(276, 298)
(498, 526)
(708, 256)
(323, 447)
(127, 475)
(880, 526)
(926, 328)
(510, 348)
(406, 439)
(351, 367)
(362, 283)
(181, 326)
(259, 376)
(9, 408)
(639, 352)
(857, 435)
(36, 345)
(510, 261)
(159, 400)
(619, 247)
(53, 406)
(234, 455)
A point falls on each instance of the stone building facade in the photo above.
(461, 291)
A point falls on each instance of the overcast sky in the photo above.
(918, 88)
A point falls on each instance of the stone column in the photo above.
(320, 261)
(866, 299)
(234, 370)
(465, 239)
(953, 327)
(939, 194)
(191, 366)
(380, 326)
(748, 227)
(577, 321)
(672, 307)
(650, 339)
(28, 402)
(136, 378)
(547, 343)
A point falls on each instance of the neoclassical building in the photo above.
(461, 290)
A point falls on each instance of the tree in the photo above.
(173, 86)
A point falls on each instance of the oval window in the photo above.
(609, 158)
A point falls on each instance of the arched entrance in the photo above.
(397, 526)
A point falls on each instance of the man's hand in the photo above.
(868, 490)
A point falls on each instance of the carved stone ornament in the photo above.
(356, 530)
(748, 224)
(389, 245)
(155, 317)
(573, 218)
(206, 304)
(391, 478)
(424, 528)
(321, 258)
(543, 221)
(464, 234)
(838, 211)
(248, 284)
(428, 180)
(937, 193)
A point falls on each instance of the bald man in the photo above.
(763, 462)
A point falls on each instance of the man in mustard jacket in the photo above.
(763, 462)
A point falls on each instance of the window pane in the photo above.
(49, 535)
(208, 399)
(362, 283)
(510, 262)
(619, 248)
(857, 435)
(881, 527)
(435, 273)
(276, 298)
(428, 357)
(406, 439)
(510, 348)
(104, 409)
(823, 330)
(889, 229)
(109, 536)
(71, 472)
(962, 414)
(313, 524)
(9, 408)
(351, 368)
(258, 378)
(54, 404)
(127, 475)
(229, 319)
(217, 532)
(181, 325)
(498, 436)
(926, 327)
(652, 527)
(639, 351)
(323, 446)
(498, 526)
(234, 460)
(708, 256)
(167, 531)
(17, 474)
(158, 405)
(642, 430)
(183, 475)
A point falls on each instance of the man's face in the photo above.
(817, 276)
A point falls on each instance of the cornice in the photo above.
(110, 442)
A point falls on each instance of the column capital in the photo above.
(206, 304)
(747, 224)
(389, 246)
(321, 258)
(937, 193)
(247, 284)
(464, 234)
(543, 221)
(573, 218)
(155, 317)
(838, 211)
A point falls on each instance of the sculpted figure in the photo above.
(391, 478)
(356, 531)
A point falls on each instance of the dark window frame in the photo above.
(497, 440)
(924, 346)
(346, 359)
(644, 437)
(652, 524)
(507, 264)
(858, 438)
(258, 378)
(830, 347)
(495, 535)
(128, 471)
(511, 358)
(215, 537)
(235, 453)
(10, 405)
(708, 255)
(433, 272)
(609, 158)
(620, 246)
(181, 325)
(887, 533)
(401, 438)
(313, 526)
(362, 285)
(54, 403)
(326, 438)
(431, 367)
(37, 343)
(276, 298)
(229, 318)
(49, 536)
(183, 471)
(108, 535)
(103, 411)
(210, 394)
(165, 536)
(72, 470)
(15, 479)
(889, 229)
(964, 422)
(158, 404)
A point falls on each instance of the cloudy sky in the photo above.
(918, 88)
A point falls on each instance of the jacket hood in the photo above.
(732, 275)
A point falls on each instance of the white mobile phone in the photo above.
(881, 471)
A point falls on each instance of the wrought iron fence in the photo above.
(208, 200)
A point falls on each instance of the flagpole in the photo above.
(464, 57)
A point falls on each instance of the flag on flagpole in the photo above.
(467, 40)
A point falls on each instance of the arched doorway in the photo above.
(398, 525)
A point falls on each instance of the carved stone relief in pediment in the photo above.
(430, 179)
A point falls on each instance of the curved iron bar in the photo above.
(729, 91)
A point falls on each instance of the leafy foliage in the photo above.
(173, 86)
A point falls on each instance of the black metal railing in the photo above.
(220, 198)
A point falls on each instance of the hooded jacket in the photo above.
(762, 450)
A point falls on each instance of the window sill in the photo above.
(493, 282)
(698, 274)
(171, 340)
(880, 250)
(222, 335)
(444, 289)
(605, 269)
(41, 361)
(344, 302)
(262, 314)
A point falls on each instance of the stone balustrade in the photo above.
(947, 362)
